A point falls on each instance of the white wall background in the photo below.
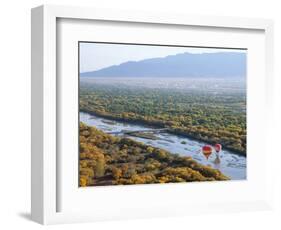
(15, 112)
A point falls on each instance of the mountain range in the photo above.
(218, 65)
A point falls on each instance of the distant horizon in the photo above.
(95, 56)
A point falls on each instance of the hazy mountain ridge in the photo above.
(221, 64)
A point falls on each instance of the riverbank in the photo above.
(229, 164)
(109, 160)
(156, 124)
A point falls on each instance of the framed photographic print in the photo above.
(138, 114)
(178, 114)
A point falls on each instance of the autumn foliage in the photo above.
(110, 160)
(208, 116)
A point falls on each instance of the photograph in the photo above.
(154, 113)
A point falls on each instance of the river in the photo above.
(229, 163)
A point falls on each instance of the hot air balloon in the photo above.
(207, 150)
(218, 147)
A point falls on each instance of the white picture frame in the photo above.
(45, 195)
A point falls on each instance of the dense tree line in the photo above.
(109, 160)
(213, 117)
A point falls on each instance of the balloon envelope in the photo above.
(207, 150)
(218, 147)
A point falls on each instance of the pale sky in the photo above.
(95, 56)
